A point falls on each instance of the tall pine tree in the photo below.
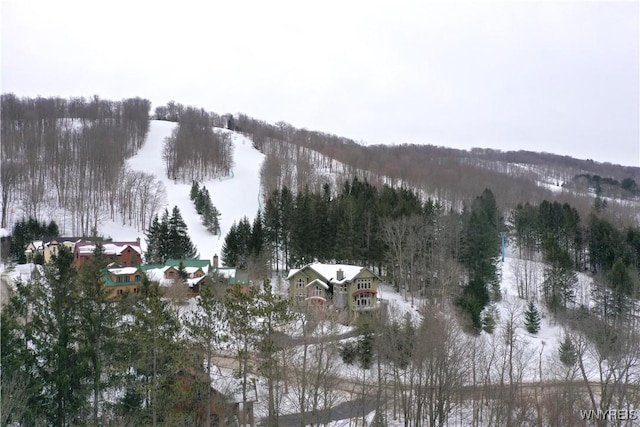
(532, 318)
(480, 249)
(168, 238)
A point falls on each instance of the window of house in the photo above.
(135, 290)
(317, 292)
(137, 277)
(300, 283)
(343, 288)
(363, 283)
(363, 300)
(119, 279)
(119, 291)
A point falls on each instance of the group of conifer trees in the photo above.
(168, 238)
(346, 227)
(244, 244)
(567, 245)
(205, 208)
(26, 231)
(65, 348)
(479, 254)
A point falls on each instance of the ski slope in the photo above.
(235, 196)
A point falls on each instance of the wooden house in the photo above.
(348, 288)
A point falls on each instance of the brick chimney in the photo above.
(215, 261)
(339, 274)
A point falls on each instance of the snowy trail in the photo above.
(234, 197)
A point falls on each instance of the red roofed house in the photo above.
(126, 254)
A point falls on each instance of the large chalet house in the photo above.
(49, 247)
(125, 254)
(348, 288)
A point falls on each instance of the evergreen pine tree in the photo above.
(199, 202)
(206, 327)
(164, 245)
(532, 319)
(215, 220)
(243, 242)
(180, 244)
(345, 231)
(241, 312)
(207, 217)
(274, 312)
(286, 211)
(182, 271)
(366, 350)
(21, 382)
(567, 352)
(480, 248)
(100, 318)
(56, 342)
(194, 191)
(272, 226)
(622, 286)
(153, 353)
(559, 277)
(257, 235)
(230, 247)
(153, 237)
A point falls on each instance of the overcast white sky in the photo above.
(541, 76)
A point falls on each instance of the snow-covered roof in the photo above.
(124, 270)
(330, 271)
(318, 282)
(292, 272)
(38, 244)
(111, 248)
(194, 281)
(227, 272)
(156, 274)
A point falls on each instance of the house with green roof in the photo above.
(231, 276)
(121, 280)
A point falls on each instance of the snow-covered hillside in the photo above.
(234, 196)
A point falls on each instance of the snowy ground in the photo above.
(234, 196)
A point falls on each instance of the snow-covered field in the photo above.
(234, 197)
